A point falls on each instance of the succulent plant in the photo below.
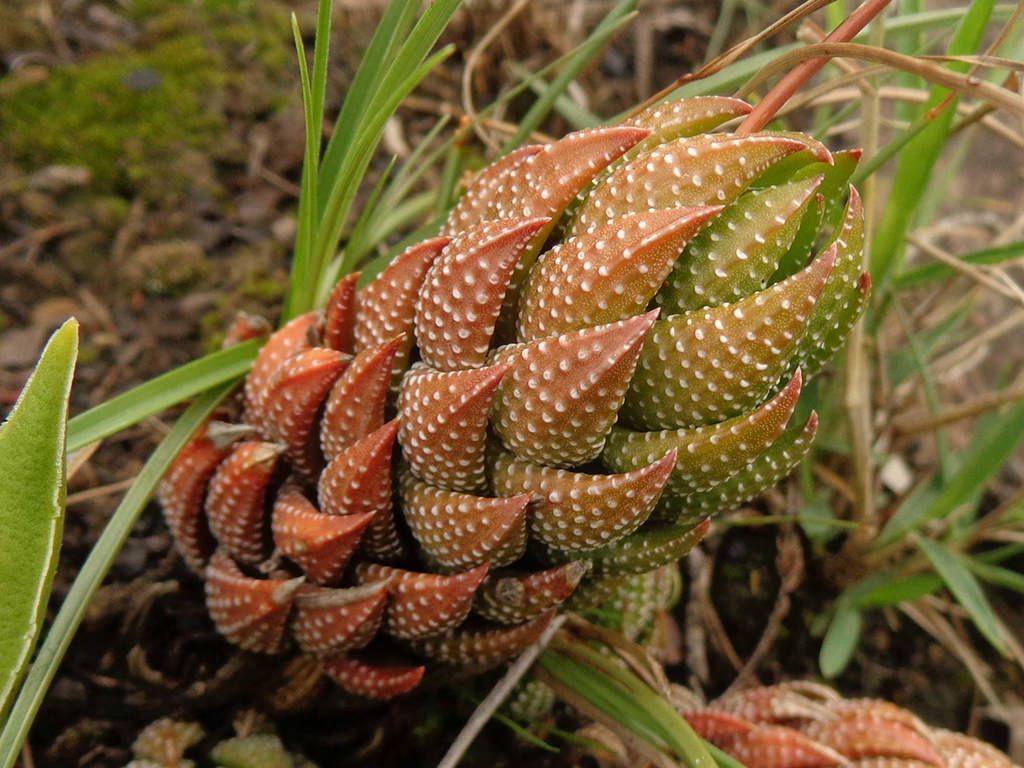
(806, 724)
(603, 346)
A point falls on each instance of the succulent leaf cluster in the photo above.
(804, 724)
(604, 345)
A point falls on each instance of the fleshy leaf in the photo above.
(844, 298)
(464, 289)
(319, 543)
(684, 117)
(482, 648)
(605, 275)
(443, 432)
(561, 396)
(481, 195)
(459, 531)
(425, 604)
(251, 613)
(643, 551)
(355, 405)
(577, 512)
(386, 308)
(515, 599)
(758, 476)
(329, 619)
(235, 502)
(295, 336)
(374, 681)
(707, 455)
(340, 315)
(716, 363)
(293, 402)
(712, 169)
(736, 254)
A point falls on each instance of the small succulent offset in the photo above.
(603, 347)
(806, 724)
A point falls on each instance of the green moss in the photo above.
(125, 114)
(130, 114)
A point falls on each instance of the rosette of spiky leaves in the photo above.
(535, 409)
(803, 724)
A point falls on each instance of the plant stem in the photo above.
(765, 110)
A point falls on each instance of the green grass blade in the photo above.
(966, 590)
(161, 393)
(840, 641)
(619, 15)
(301, 269)
(100, 558)
(936, 271)
(394, 25)
(357, 244)
(33, 469)
(920, 154)
(901, 589)
(989, 453)
(994, 574)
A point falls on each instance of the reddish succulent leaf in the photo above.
(459, 531)
(374, 681)
(605, 275)
(425, 604)
(775, 746)
(444, 424)
(251, 613)
(960, 751)
(386, 308)
(482, 648)
(340, 315)
(355, 405)
(245, 327)
(862, 735)
(293, 402)
(778, 703)
(684, 117)
(875, 708)
(561, 396)
(515, 599)
(707, 455)
(576, 512)
(359, 478)
(735, 255)
(295, 336)
(712, 364)
(749, 483)
(236, 500)
(464, 289)
(338, 619)
(844, 297)
(319, 543)
(181, 494)
(710, 169)
(714, 725)
(474, 205)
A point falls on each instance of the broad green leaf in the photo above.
(899, 590)
(32, 491)
(986, 456)
(161, 393)
(840, 641)
(95, 568)
(966, 590)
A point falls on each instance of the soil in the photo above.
(149, 159)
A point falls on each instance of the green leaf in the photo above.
(161, 393)
(840, 641)
(935, 271)
(986, 456)
(900, 589)
(32, 493)
(94, 570)
(920, 154)
(966, 590)
(994, 574)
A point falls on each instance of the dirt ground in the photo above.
(149, 157)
